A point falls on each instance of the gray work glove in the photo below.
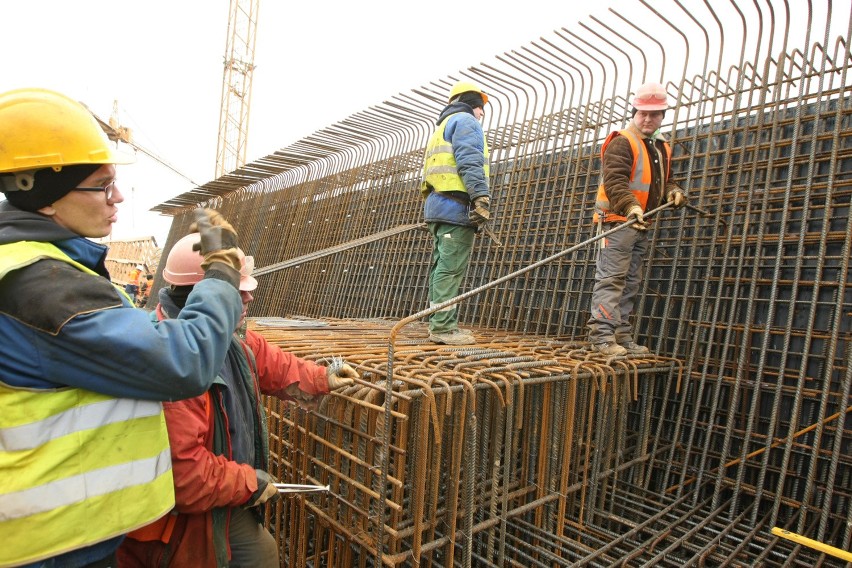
(677, 198)
(479, 213)
(266, 491)
(636, 213)
(218, 239)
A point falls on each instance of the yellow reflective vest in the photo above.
(640, 176)
(77, 467)
(439, 167)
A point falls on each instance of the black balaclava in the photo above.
(179, 294)
(472, 99)
(49, 186)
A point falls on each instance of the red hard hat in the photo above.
(183, 266)
(650, 96)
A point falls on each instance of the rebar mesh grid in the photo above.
(520, 450)
(751, 297)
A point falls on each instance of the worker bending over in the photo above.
(84, 454)
(219, 441)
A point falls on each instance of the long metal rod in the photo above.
(337, 249)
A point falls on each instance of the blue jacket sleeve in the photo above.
(118, 352)
(464, 132)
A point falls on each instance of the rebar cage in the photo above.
(523, 450)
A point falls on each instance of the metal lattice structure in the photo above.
(524, 450)
(236, 86)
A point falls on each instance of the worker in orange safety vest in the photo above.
(635, 177)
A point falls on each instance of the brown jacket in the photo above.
(616, 167)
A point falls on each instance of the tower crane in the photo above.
(236, 86)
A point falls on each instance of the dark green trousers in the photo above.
(450, 256)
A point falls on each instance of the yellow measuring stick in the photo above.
(815, 544)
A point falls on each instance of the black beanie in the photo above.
(49, 186)
(474, 100)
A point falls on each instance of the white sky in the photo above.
(317, 62)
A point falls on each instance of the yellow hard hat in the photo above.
(43, 129)
(465, 87)
(650, 96)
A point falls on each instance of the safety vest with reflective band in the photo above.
(439, 167)
(640, 175)
(78, 467)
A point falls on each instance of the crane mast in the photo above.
(236, 86)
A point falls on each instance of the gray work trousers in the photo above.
(618, 276)
(252, 546)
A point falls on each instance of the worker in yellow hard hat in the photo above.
(84, 450)
(221, 474)
(635, 177)
(457, 200)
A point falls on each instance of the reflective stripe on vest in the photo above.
(78, 467)
(640, 176)
(439, 164)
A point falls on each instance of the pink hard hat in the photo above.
(650, 96)
(183, 266)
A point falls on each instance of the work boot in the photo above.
(634, 348)
(609, 348)
(453, 337)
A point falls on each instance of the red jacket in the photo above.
(203, 480)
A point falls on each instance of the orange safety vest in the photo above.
(640, 176)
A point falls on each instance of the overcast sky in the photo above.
(317, 63)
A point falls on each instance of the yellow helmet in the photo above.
(465, 87)
(44, 129)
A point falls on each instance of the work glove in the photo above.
(340, 376)
(218, 239)
(636, 213)
(479, 213)
(677, 198)
(266, 491)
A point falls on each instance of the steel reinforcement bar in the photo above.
(750, 295)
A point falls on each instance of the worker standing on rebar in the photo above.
(636, 176)
(84, 452)
(457, 201)
(219, 441)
